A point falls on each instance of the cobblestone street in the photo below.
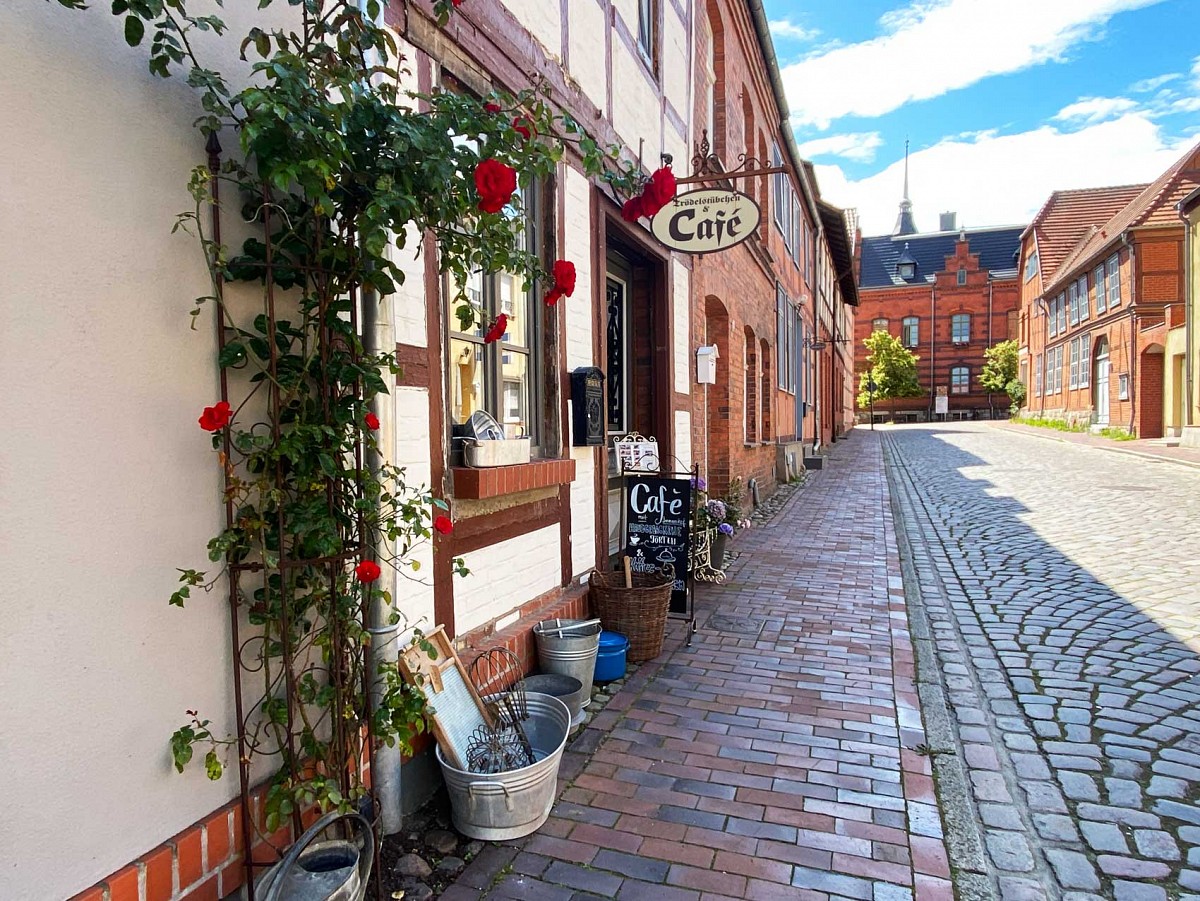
(1059, 618)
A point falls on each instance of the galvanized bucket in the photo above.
(567, 689)
(568, 647)
(500, 806)
(326, 871)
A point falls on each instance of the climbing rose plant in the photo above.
(331, 166)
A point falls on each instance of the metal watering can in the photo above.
(326, 871)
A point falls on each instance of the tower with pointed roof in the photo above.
(904, 222)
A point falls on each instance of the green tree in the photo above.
(1000, 373)
(893, 369)
(1000, 367)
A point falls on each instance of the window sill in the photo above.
(476, 484)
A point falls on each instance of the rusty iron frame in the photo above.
(338, 669)
(707, 166)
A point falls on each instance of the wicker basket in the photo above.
(639, 613)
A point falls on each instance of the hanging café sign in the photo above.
(706, 221)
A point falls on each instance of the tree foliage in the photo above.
(1000, 366)
(892, 367)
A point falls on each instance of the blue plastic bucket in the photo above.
(610, 661)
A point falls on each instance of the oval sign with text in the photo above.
(706, 221)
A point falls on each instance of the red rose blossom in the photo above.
(499, 327)
(372, 421)
(632, 210)
(564, 281)
(658, 191)
(524, 127)
(367, 571)
(495, 183)
(457, 2)
(215, 418)
(443, 525)
(492, 107)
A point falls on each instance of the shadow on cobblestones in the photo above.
(1074, 689)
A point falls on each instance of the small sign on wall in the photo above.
(636, 453)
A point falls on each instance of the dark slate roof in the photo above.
(997, 249)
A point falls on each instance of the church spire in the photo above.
(904, 222)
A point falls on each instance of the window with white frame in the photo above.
(1073, 351)
(1084, 303)
(910, 332)
(798, 229)
(960, 380)
(1123, 386)
(962, 276)
(647, 26)
(503, 376)
(779, 187)
(1101, 290)
(879, 325)
(1085, 361)
(960, 328)
(1062, 313)
(1058, 369)
(1037, 374)
(1031, 265)
(1073, 304)
(785, 349)
(1114, 281)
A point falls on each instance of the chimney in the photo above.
(948, 222)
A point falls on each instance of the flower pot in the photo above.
(717, 551)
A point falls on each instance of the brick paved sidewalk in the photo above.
(769, 759)
(1189, 456)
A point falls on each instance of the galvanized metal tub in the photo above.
(567, 689)
(499, 806)
(566, 648)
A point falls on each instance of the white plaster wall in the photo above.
(506, 575)
(637, 110)
(544, 21)
(583, 511)
(588, 61)
(681, 313)
(107, 483)
(628, 11)
(408, 303)
(683, 438)
(578, 249)
(413, 590)
(676, 61)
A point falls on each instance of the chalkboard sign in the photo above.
(657, 510)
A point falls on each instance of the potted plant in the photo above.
(719, 518)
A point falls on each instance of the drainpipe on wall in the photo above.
(991, 409)
(1132, 331)
(932, 353)
(384, 647)
(1188, 324)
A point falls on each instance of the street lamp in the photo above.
(871, 389)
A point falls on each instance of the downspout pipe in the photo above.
(1189, 299)
(1133, 359)
(991, 405)
(383, 651)
(932, 353)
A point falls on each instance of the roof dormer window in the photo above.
(906, 266)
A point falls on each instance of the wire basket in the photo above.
(639, 613)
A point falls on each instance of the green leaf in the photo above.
(212, 765)
(135, 30)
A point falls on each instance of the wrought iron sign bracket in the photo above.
(706, 166)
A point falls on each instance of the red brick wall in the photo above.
(894, 304)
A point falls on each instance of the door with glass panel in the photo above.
(617, 394)
(1100, 381)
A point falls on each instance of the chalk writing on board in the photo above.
(657, 538)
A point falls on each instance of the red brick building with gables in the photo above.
(948, 296)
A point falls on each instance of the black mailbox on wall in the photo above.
(587, 406)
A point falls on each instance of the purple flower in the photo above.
(716, 509)
(725, 528)
(699, 484)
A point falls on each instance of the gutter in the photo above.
(1185, 206)
(1133, 358)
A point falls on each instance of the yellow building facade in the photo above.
(1182, 394)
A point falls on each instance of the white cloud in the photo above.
(931, 47)
(788, 30)
(1146, 85)
(1004, 179)
(857, 146)
(1095, 109)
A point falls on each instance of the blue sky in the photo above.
(1003, 101)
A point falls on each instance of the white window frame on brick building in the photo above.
(879, 325)
(910, 331)
(960, 328)
(1073, 352)
(1101, 290)
(1037, 375)
(1114, 281)
(1062, 312)
(960, 380)
(1082, 293)
(1085, 361)
(1073, 304)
